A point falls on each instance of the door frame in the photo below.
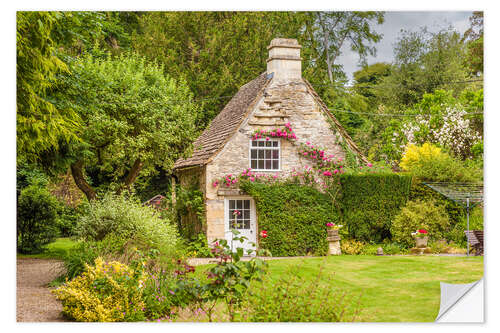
(253, 219)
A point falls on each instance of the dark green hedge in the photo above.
(369, 202)
(294, 217)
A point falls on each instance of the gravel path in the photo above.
(35, 303)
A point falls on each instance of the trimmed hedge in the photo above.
(294, 216)
(369, 203)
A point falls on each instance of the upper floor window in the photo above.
(265, 154)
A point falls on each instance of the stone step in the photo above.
(270, 114)
(267, 123)
(271, 100)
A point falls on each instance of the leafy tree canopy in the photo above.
(424, 62)
(135, 118)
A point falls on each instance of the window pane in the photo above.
(269, 143)
(246, 214)
(253, 164)
(261, 153)
(261, 164)
(247, 204)
(247, 224)
(231, 204)
(275, 164)
(276, 154)
(239, 204)
(261, 143)
(268, 153)
(253, 153)
(275, 143)
(267, 165)
(254, 143)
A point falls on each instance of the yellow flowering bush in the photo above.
(414, 155)
(429, 163)
(351, 246)
(106, 292)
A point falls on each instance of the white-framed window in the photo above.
(239, 213)
(265, 154)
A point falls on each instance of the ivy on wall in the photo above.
(189, 211)
(293, 215)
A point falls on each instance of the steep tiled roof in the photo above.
(225, 124)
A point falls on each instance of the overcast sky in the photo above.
(394, 22)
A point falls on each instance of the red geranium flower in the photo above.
(422, 231)
(263, 234)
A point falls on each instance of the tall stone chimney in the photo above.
(284, 59)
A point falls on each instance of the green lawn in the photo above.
(56, 250)
(392, 288)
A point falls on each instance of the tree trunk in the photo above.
(77, 172)
(132, 175)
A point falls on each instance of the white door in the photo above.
(240, 215)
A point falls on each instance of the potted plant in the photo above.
(421, 237)
(333, 229)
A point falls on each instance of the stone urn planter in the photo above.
(421, 238)
(421, 242)
(333, 239)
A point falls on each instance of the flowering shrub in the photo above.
(351, 246)
(428, 162)
(227, 180)
(106, 292)
(446, 123)
(414, 155)
(420, 215)
(230, 278)
(286, 133)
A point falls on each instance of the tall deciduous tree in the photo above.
(424, 61)
(135, 119)
(336, 29)
(474, 39)
(216, 52)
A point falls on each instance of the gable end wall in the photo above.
(283, 102)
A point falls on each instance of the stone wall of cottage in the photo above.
(283, 102)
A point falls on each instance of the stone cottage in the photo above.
(277, 97)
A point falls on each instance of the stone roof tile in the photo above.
(227, 121)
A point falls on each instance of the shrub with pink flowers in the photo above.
(286, 133)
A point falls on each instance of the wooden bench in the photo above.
(476, 240)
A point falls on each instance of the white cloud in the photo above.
(394, 23)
